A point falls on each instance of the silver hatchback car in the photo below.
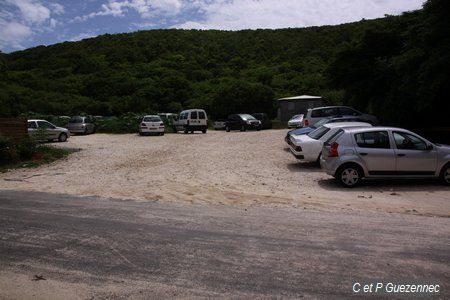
(383, 152)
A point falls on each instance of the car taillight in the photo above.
(161, 125)
(143, 125)
(306, 123)
(333, 150)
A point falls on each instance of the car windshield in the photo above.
(319, 132)
(76, 120)
(151, 119)
(246, 117)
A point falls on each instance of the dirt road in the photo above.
(243, 168)
(95, 248)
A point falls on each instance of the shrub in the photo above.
(26, 148)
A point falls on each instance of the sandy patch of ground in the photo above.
(239, 168)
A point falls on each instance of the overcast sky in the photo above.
(28, 23)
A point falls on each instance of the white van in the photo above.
(191, 120)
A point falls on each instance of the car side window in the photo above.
(316, 113)
(193, 115)
(406, 141)
(45, 125)
(373, 139)
(348, 111)
(328, 112)
(32, 125)
(201, 115)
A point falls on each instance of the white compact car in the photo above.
(192, 120)
(151, 124)
(308, 147)
(296, 121)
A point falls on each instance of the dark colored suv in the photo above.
(242, 122)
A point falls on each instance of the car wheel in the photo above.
(85, 131)
(186, 130)
(318, 158)
(162, 133)
(141, 134)
(62, 137)
(227, 128)
(349, 175)
(445, 174)
(243, 128)
(204, 130)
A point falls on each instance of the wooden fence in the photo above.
(13, 128)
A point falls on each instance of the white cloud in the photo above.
(56, 8)
(13, 34)
(32, 11)
(24, 19)
(145, 8)
(251, 14)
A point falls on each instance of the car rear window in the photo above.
(76, 120)
(373, 139)
(335, 136)
(193, 115)
(201, 115)
(318, 132)
(151, 119)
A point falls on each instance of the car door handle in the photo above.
(363, 154)
(401, 154)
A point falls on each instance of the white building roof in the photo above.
(302, 97)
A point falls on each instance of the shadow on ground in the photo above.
(385, 185)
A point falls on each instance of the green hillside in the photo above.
(396, 67)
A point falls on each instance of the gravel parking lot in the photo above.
(238, 168)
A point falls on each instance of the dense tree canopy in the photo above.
(396, 67)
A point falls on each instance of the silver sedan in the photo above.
(383, 152)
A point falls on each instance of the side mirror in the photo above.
(430, 147)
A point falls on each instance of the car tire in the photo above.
(227, 128)
(349, 175)
(318, 159)
(445, 174)
(141, 134)
(243, 128)
(162, 133)
(62, 137)
(186, 130)
(204, 130)
(86, 132)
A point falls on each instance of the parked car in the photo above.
(308, 147)
(191, 120)
(314, 115)
(44, 130)
(79, 124)
(151, 124)
(219, 124)
(383, 152)
(264, 119)
(296, 121)
(242, 122)
(306, 130)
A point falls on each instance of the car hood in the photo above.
(443, 148)
(61, 128)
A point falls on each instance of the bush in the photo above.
(127, 123)
(12, 151)
(26, 148)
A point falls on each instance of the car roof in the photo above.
(375, 128)
(150, 116)
(33, 120)
(346, 124)
(333, 106)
